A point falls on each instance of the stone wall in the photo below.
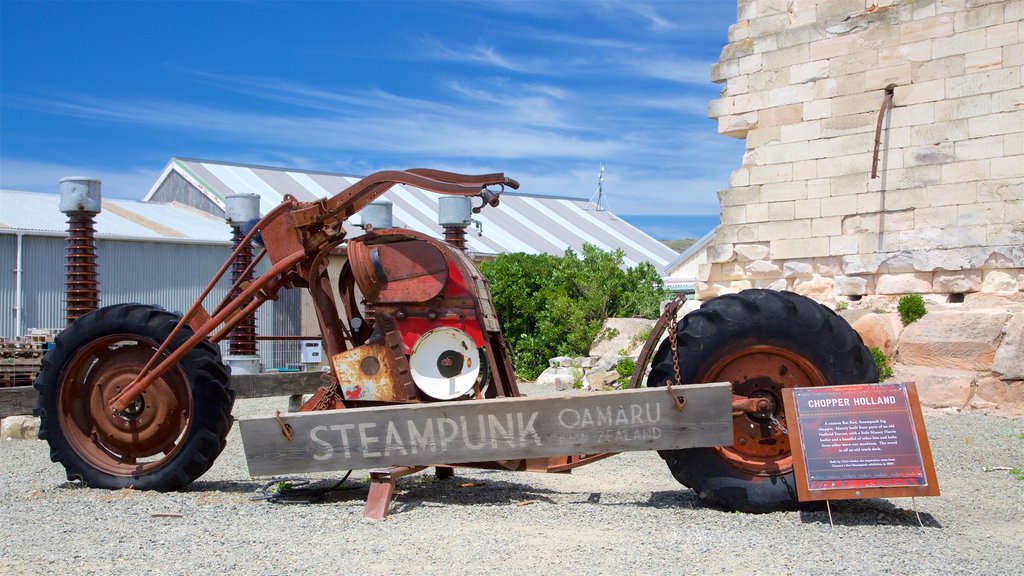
(804, 81)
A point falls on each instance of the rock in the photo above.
(937, 388)
(1008, 363)
(600, 379)
(627, 337)
(1005, 300)
(559, 377)
(19, 428)
(1007, 396)
(963, 340)
(720, 253)
(560, 362)
(879, 330)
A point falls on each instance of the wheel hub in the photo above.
(760, 446)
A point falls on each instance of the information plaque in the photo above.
(859, 441)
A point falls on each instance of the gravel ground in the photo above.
(624, 514)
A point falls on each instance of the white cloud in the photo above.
(35, 176)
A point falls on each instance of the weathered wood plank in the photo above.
(20, 399)
(269, 384)
(482, 430)
(16, 400)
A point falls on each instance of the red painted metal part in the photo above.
(81, 278)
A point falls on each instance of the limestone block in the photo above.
(958, 43)
(786, 57)
(1002, 35)
(807, 209)
(791, 94)
(937, 153)
(958, 282)
(769, 284)
(978, 148)
(828, 266)
(779, 116)
(706, 291)
(983, 82)
(953, 130)
(731, 271)
(959, 340)
(19, 428)
(749, 102)
(627, 337)
(737, 125)
(1009, 359)
(924, 29)
(986, 213)
(935, 217)
(952, 194)
(739, 285)
(916, 283)
(960, 108)
(990, 260)
(879, 330)
(851, 144)
(939, 69)
(733, 214)
(999, 281)
(843, 245)
(809, 71)
(781, 211)
(851, 285)
(763, 269)
(1008, 166)
(797, 269)
(1008, 396)
(748, 252)
(983, 60)
(719, 253)
(856, 103)
(993, 124)
(860, 223)
(817, 109)
(805, 170)
(771, 173)
(880, 78)
(704, 271)
(817, 287)
(978, 17)
(832, 47)
(937, 388)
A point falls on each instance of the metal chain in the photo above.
(679, 402)
(778, 424)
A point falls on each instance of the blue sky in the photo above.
(543, 91)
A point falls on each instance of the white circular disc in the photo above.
(444, 363)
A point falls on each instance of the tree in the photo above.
(554, 306)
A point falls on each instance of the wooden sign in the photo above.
(859, 441)
(486, 430)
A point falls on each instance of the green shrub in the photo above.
(883, 362)
(624, 367)
(555, 306)
(911, 308)
(577, 378)
(842, 305)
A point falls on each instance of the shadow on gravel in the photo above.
(867, 512)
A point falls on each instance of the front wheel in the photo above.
(761, 341)
(167, 438)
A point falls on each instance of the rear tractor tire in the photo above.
(171, 434)
(761, 341)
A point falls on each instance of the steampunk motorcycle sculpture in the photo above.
(133, 395)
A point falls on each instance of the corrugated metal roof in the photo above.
(33, 211)
(523, 223)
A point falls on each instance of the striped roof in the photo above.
(522, 223)
(129, 219)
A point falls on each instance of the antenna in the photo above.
(601, 202)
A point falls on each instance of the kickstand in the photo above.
(382, 489)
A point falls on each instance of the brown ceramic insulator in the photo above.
(456, 236)
(242, 341)
(81, 286)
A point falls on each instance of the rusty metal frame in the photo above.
(296, 235)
